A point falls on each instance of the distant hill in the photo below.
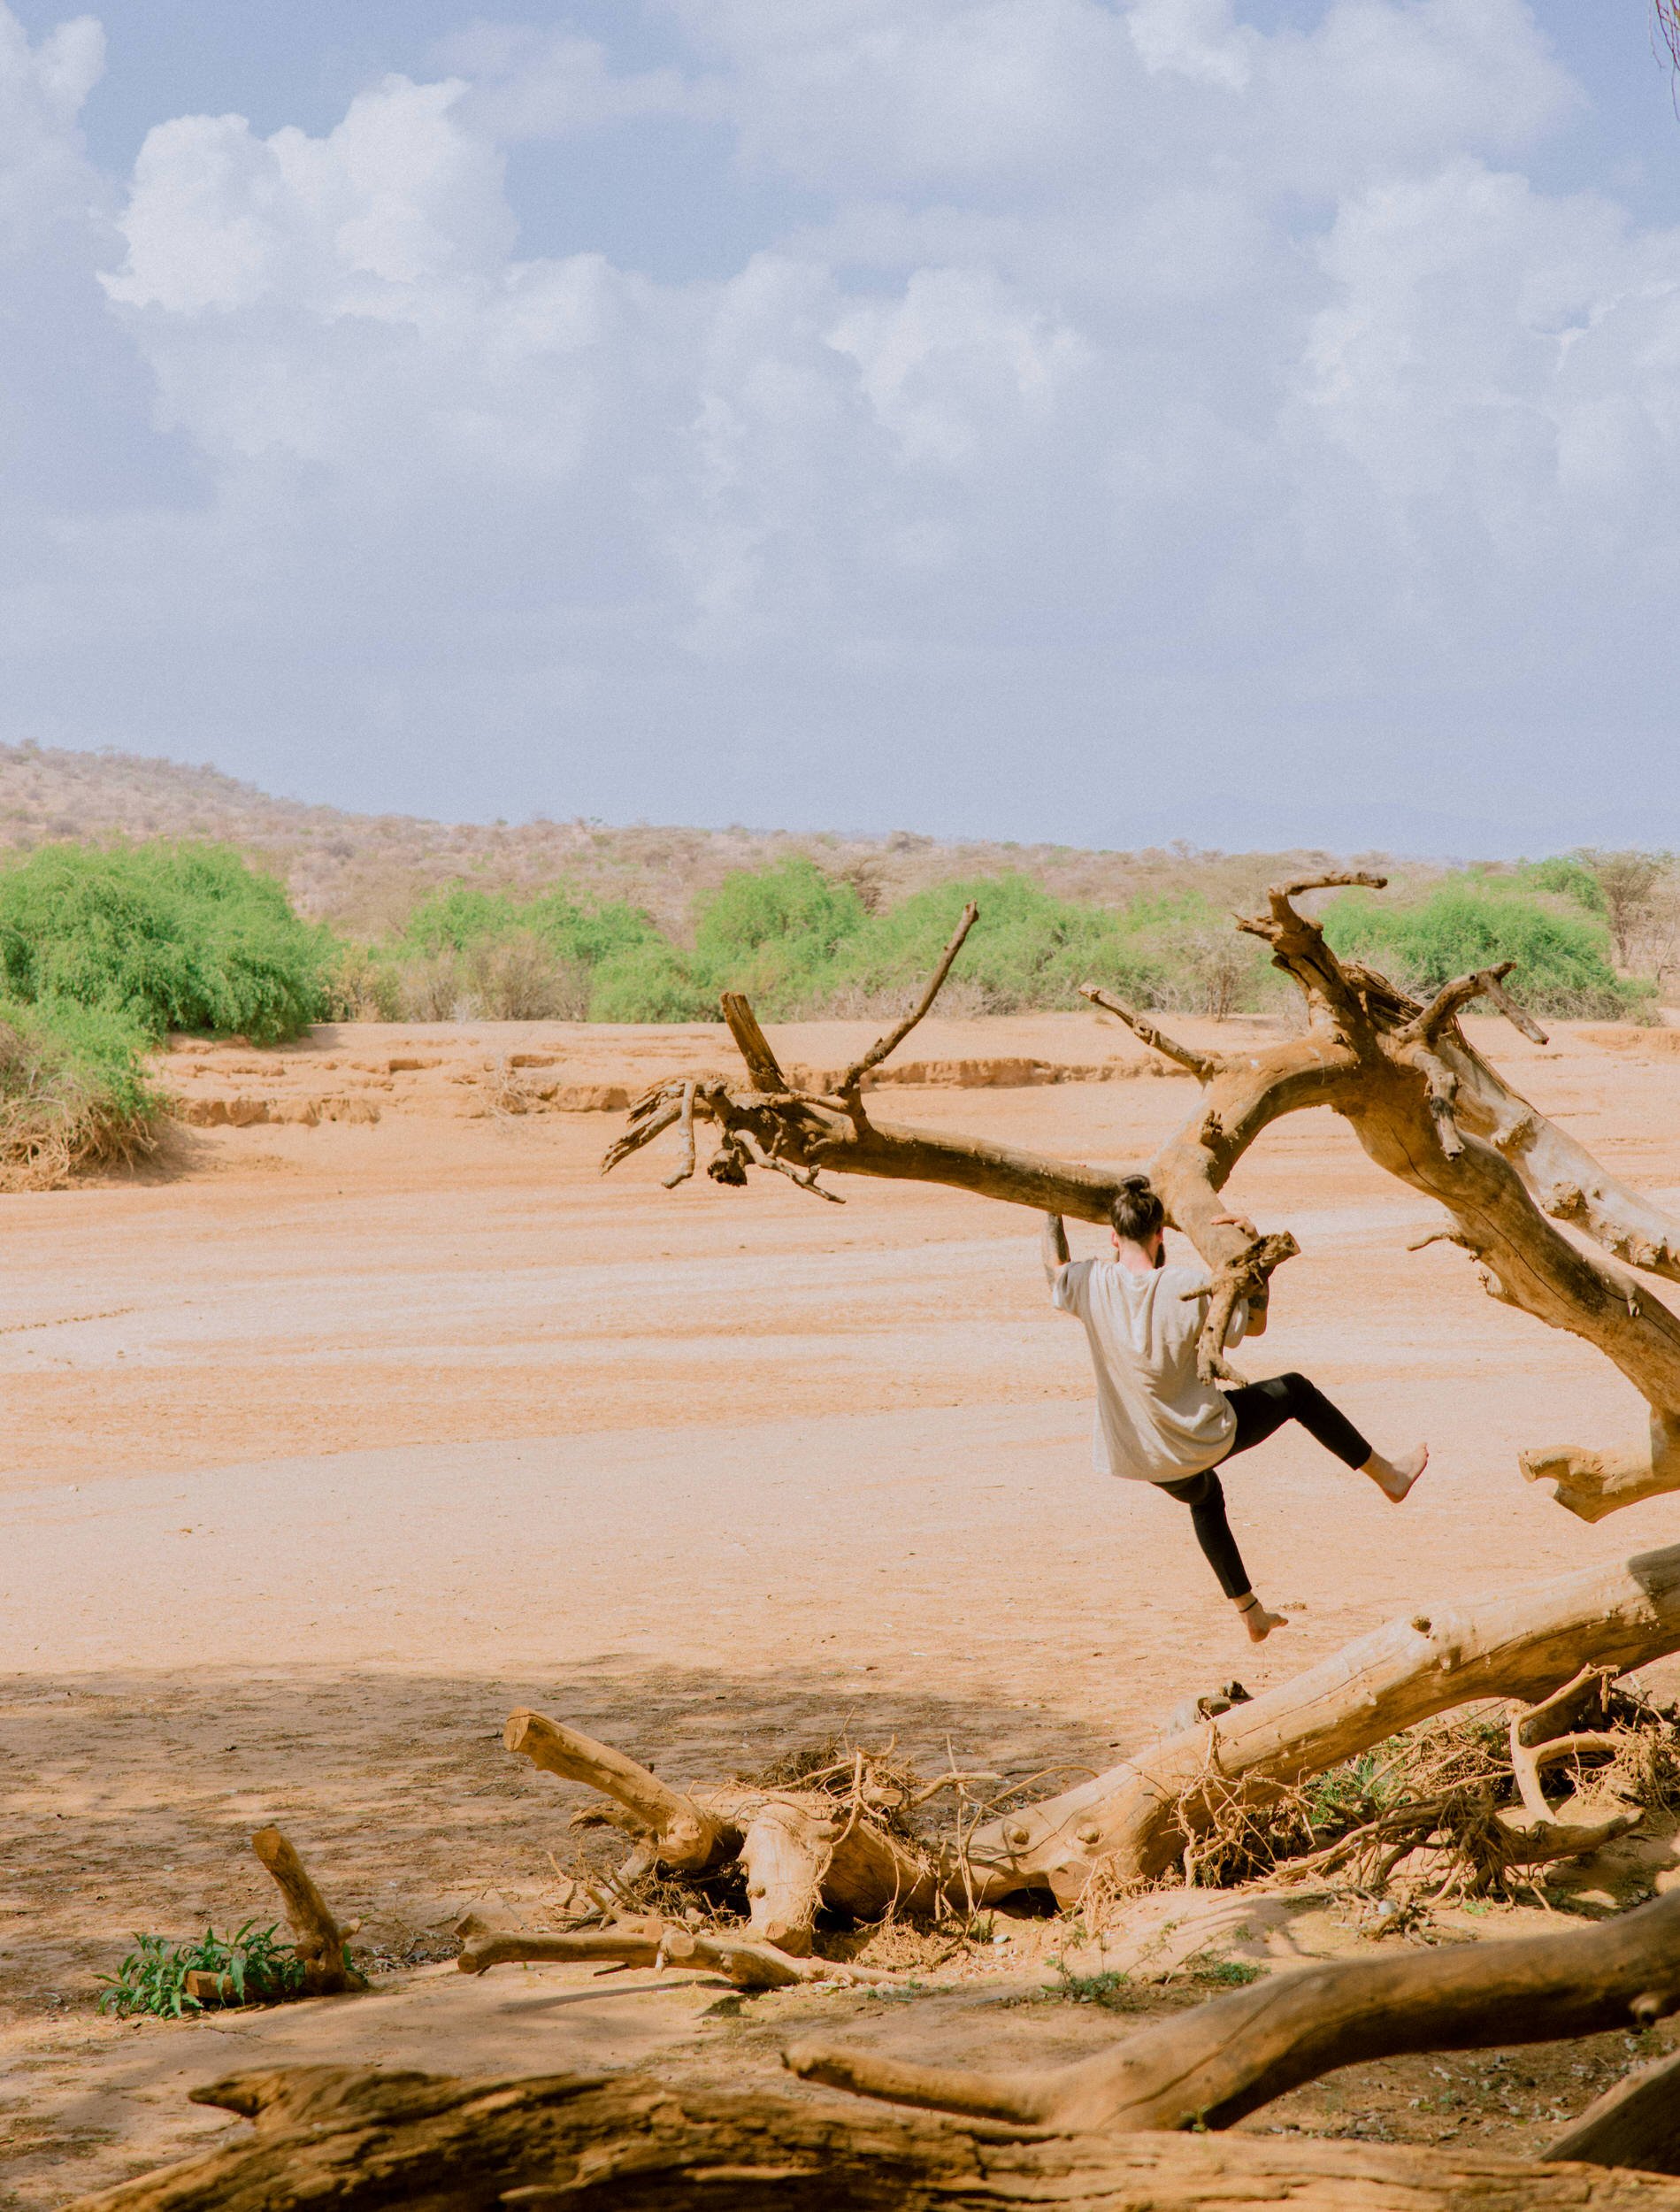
(364, 872)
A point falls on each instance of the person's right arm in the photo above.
(1053, 1247)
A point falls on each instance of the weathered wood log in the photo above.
(1209, 2067)
(316, 1937)
(684, 1836)
(363, 2141)
(1424, 1105)
(1635, 2123)
(1523, 1644)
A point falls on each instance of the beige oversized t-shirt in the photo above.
(1157, 1421)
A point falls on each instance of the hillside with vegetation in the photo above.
(139, 898)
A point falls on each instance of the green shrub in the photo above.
(468, 954)
(153, 1977)
(774, 933)
(1567, 878)
(73, 1091)
(172, 936)
(649, 983)
(362, 986)
(1028, 950)
(1563, 963)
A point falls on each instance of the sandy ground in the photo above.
(331, 1437)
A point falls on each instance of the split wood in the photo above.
(1423, 1102)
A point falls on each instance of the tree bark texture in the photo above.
(363, 2141)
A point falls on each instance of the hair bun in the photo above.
(1134, 1182)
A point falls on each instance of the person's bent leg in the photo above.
(1262, 1408)
(1205, 1495)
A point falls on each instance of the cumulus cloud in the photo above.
(1111, 392)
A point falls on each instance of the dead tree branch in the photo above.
(316, 1937)
(1424, 1105)
(1203, 1065)
(883, 1046)
(1209, 2067)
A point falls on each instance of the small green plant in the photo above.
(153, 1977)
(1224, 1973)
(1113, 1990)
(1356, 1791)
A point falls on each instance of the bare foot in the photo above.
(1257, 1620)
(1394, 1477)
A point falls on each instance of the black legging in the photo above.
(1261, 1408)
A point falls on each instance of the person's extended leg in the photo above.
(1262, 1408)
(1205, 1495)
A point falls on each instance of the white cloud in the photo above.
(1148, 386)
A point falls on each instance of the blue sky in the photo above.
(1018, 418)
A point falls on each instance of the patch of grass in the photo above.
(1224, 1973)
(153, 1977)
(1114, 1992)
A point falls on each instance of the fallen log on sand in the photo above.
(747, 1965)
(363, 2141)
(1526, 1643)
(1135, 1819)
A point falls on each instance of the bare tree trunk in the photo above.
(363, 2141)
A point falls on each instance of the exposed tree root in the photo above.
(1138, 1820)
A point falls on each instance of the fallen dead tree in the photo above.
(1137, 1818)
(364, 2140)
(805, 1848)
(1426, 1106)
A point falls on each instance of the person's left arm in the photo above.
(1053, 1247)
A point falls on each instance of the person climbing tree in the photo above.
(1157, 1421)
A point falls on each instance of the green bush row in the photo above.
(103, 952)
(802, 943)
